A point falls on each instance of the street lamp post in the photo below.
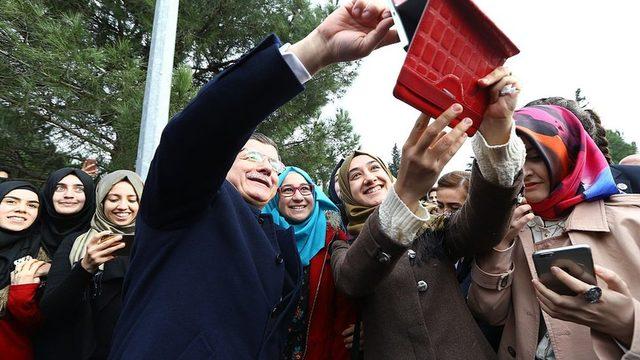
(157, 92)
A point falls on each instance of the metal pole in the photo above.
(157, 92)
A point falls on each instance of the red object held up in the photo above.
(454, 45)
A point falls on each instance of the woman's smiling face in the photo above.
(368, 182)
(18, 209)
(121, 204)
(296, 198)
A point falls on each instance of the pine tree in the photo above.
(394, 165)
(581, 99)
(618, 147)
(75, 72)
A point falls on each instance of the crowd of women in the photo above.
(61, 282)
(379, 272)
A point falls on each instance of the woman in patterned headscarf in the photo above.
(82, 298)
(572, 199)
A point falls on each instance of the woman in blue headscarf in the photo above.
(322, 314)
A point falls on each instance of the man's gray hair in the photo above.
(262, 138)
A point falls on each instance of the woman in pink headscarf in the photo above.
(571, 199)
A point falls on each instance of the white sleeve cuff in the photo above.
(399, 223)
(499, 163)
(295, 64)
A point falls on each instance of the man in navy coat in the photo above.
(210, 277)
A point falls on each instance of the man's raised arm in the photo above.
(199, 144)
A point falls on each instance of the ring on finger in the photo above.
(592, 295)
(508, 89)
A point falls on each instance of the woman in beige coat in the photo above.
(573, 200)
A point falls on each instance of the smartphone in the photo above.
(576, 260)
(126, 250)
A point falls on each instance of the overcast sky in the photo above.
(564, 45)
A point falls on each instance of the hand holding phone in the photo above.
(611, 314)
(575, 260)
(100, 249)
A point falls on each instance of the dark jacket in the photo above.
(210, 277)
(80, 310)
(627, 178)
(412, 304)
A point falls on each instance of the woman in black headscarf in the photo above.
(20, 272)
(68, 200)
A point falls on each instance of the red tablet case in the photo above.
(454, 45)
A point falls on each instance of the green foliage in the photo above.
(394, 165)
(315, 147)
(618, 147)
(74, 73)
(29, 155)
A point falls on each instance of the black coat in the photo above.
(210, 277)
(80, 310)
(627, 178)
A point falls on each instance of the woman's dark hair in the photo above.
(455, 179)
(590, 121)
(333, 195)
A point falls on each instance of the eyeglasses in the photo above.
(258, 157)
(290, 190)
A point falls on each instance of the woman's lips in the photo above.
(530, 186)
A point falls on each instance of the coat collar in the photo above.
(588, 216)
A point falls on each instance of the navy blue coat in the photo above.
(627, 178)
(211, 278)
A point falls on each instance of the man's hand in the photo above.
(351, 32)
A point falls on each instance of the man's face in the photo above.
(257, 182)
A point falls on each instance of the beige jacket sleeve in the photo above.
(633, 353)
(489, 296)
